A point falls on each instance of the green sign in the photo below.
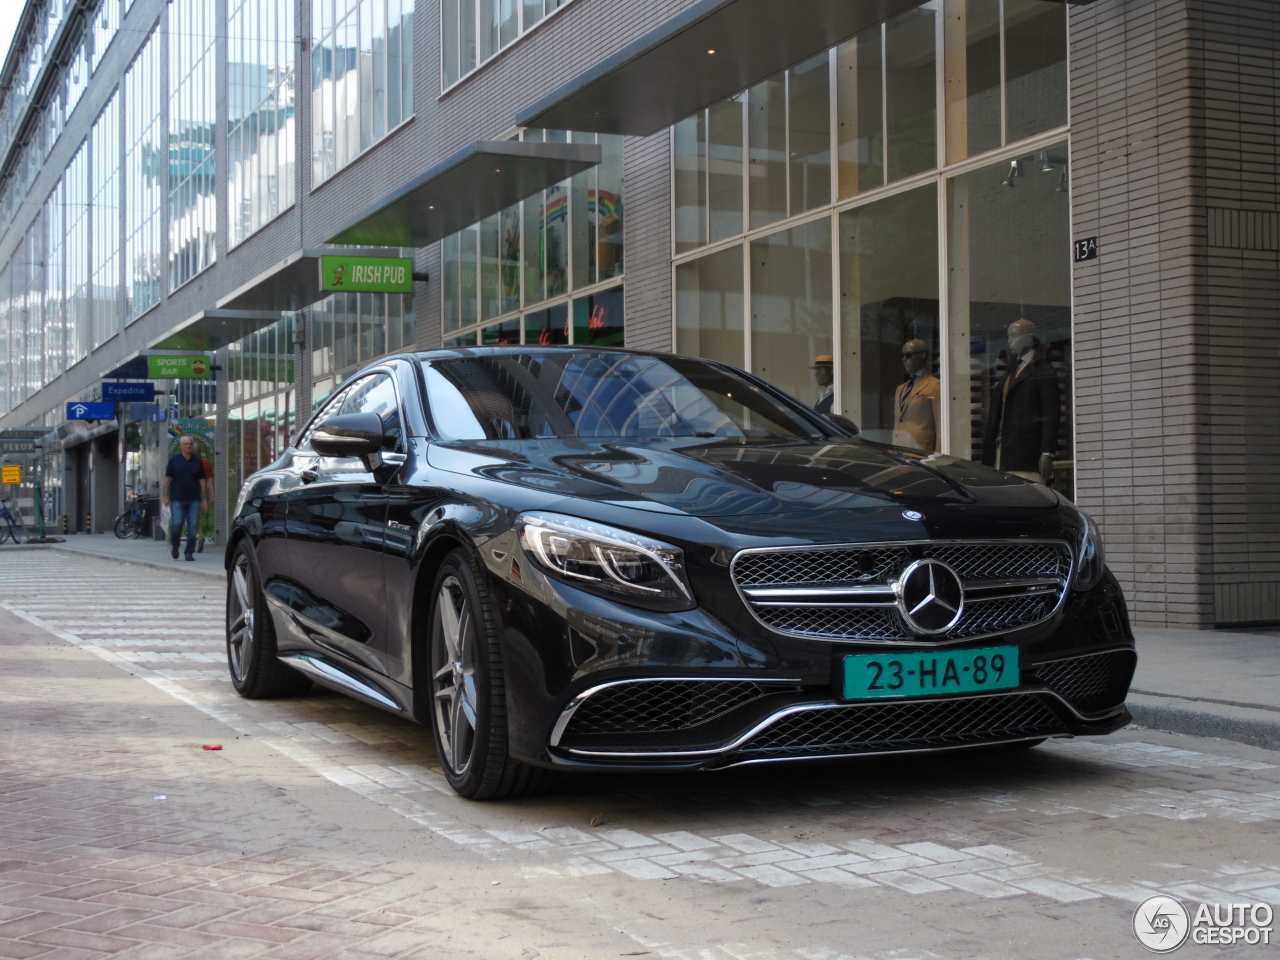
(366, 274)
(178, 368)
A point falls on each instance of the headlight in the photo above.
(1090, 563)
(603, 559)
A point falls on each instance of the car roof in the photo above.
(517, 349)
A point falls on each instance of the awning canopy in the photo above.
(291, 284)
(211, 330)
(474, 183)
(710, 51)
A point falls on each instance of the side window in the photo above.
(377, 394)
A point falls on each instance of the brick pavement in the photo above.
(282, 864)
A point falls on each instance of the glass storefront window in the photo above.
(563, 242)
(709, 307)
(911, 91)
(791, 316)
(472, 32)
(361, 78)
(809, 133)
(501, 334)
(549, 326)
(598, 319)
(193, 35)
(889, 371)
(1010, 316)
(260, 105)
(144, 142)
(1026, 41)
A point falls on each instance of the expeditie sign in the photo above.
(178, 368)
(366, 274)
(10, 474)
(128, 392)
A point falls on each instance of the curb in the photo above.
(1249, 725)
(215, 572)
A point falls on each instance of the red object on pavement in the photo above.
(212, 746)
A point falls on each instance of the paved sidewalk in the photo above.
(147, 553)
(1215, 683)
(1210, 683)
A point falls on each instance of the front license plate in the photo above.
(868, 676)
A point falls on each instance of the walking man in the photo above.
(185, 491)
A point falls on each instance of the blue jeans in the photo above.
(180, 512)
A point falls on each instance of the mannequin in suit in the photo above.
(824, 375)
(917, 401)
(1021, 434)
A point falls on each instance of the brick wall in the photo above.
(1140, 338)
(1177, 340)
(1235, 47)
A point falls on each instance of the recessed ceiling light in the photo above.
(710, 51)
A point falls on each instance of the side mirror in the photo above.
(847, 426)
(351, 435)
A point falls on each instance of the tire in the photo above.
(468, 697)
(256, 672)
(9, 532)
(125, 526)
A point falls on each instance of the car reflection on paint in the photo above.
(571, 558)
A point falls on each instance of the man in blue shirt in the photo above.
(185, 490)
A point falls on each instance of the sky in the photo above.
(10, 13)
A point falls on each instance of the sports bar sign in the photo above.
(366, 274)
(178, 368)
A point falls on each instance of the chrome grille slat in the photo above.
(1016, 584)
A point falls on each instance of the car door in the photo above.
(336, 529)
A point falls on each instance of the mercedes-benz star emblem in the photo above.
(930, 596)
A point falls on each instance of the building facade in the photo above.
(884, 206)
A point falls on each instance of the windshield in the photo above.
(562, 393)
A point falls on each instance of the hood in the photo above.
(735, 478)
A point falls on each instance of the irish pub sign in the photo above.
(366, 274)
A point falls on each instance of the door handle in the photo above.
(309, 476)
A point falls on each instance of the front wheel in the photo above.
(469, 708)
(256, 672)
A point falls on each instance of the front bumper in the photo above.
(594, 684)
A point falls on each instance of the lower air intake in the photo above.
(916, 725)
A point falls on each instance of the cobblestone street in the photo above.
(323, 828)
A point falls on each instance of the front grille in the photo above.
(997, 575)
(661, 705)
(1003, 561)
(1093, 682)
(997, 616)
(862, 623)
(913, 725)
(785, 568)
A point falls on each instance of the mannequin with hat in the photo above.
(1021, 435)
(917, 401)
(824, 375)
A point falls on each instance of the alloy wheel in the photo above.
(456, 701)
(240, 632)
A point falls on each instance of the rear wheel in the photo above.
(469, 710)
(256, 672)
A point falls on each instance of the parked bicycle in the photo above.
(133, 522)
(9, 524)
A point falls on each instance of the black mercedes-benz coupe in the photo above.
(581, 558)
